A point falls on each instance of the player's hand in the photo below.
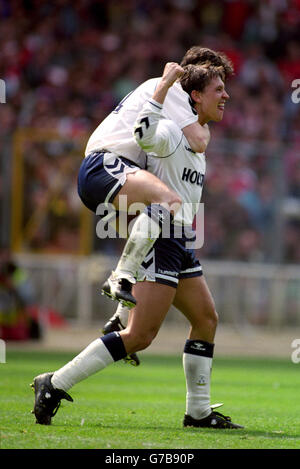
(172, 72)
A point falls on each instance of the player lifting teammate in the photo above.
(184, 286)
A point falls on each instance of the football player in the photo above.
(114, 170)
(175, 275)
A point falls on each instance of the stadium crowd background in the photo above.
(66, 64)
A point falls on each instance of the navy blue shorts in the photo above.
(169, 261)
(101, 176)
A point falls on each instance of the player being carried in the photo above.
(183, 283)
(115, 166)
(115, 170)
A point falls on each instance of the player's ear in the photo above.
(196, 96)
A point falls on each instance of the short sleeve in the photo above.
(177, 107)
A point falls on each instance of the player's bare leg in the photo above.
(145, 319)
(195, 301)
(118, 322)
(160, 204)
(144, 323)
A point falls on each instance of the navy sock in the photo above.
(114, 344)
(199, 347)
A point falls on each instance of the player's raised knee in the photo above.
(175, 204)
(171, 201)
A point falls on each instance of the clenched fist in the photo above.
(172, 71)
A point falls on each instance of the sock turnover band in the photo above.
(114, 344)
(199, 347)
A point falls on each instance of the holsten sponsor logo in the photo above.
(194, 177)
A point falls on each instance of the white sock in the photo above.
(197, 369)
(122, 313)
(93, 358)
(144, 233)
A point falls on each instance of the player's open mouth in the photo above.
(221, 106)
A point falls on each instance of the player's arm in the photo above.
(151, 132)
(172, 71)
(198, 136)
(178, 107)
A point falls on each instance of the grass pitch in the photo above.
(142, 408)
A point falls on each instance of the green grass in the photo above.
(127, 407)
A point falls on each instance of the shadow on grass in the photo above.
(236, 433)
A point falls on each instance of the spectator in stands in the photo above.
(62, 63)
(16, 294)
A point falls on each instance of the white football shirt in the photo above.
(115, 132)
(170, 158)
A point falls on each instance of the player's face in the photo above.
(212, 99)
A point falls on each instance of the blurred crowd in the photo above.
(66, 65)
(19, 318)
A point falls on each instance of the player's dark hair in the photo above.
(197, 77)
(197, 55)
